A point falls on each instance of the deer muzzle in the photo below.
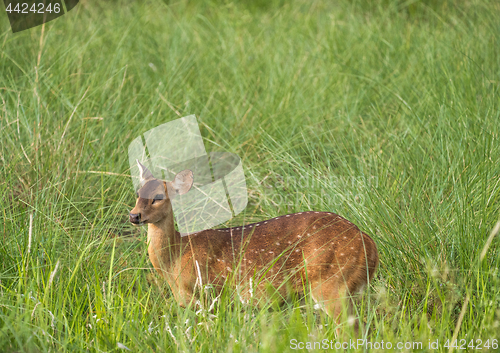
(135, 218)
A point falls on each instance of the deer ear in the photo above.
(182, 183)
(144, 173)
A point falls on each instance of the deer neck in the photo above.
(165, 244)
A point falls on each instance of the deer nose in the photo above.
(134, 218)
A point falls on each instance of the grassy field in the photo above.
(385, 112)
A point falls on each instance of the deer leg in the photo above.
(183, 295)
(335, 301)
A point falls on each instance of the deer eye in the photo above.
(158, 197)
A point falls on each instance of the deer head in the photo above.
(153, 198)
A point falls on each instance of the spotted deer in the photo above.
(322, 249)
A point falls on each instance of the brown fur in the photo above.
(332, 253)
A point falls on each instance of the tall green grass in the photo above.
(386, 113)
